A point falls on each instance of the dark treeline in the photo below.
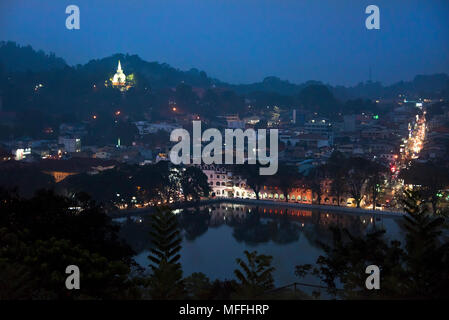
(44, 92)
(349, 177)
(133, 184)
(123, 186)
(361, 180)
(430, 179)
(418, 268)
(41, 236)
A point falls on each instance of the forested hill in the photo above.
(158, 75)
(431, 86)
(15, 58)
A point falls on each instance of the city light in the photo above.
(261, 170)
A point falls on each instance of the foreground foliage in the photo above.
(415, 269)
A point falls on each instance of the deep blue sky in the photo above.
(243, 41)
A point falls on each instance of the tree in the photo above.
(254, 179)
(417, 269)
(169, 177)
(256, 275)
(375, 180)
(427, 256)
(111, 187)
(338, 186)
(342, 267)
(314, 181)
(319, 98)
(15, 281)
(336, 172)
(26, 178)
(198, 286)
(430, 179)
(44, 262)
(166, 280)
(41, 236)
(159, 182)
(286, 178)
(194, 183)
(152, 180)
(357, 175)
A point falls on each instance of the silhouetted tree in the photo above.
(198, 286)
(41, 236)
(254, 179)
(287, 178)
(417, 269)
(429, 178)
(357, 175)
(256, 274)
(314, 182)
(336, 172)
(375, 180)
(166, 280)
(194, 183)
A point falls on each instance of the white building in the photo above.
(119, 77)
(320, 127)
(21, 153)
(226, 184)
(145, 127)
(70, 144)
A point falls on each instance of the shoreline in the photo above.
(183, 205)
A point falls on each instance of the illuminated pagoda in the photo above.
(120, 80)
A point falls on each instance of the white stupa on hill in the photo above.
(119, 78)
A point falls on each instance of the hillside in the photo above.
(16, 58)
(158, 75)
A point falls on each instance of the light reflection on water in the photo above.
(216, 235)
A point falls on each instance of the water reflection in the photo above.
(194, 223)
(214, 236)
(231, 228)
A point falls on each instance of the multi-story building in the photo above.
(224, 183)
(321, 127)
(71, 144)
(146, 127)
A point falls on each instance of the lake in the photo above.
(214, 236)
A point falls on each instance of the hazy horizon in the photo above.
(233, 83)
(244, 42)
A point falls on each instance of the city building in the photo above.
(224, 183)
(71, 144)
(145, 127)
(320, 127)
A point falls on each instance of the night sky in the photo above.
(243, 41)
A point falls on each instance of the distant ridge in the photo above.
(16, 58)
